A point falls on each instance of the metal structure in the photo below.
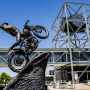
(72, 28)
(72, 25)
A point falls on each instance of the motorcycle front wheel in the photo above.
(17, 60)
(41, 32)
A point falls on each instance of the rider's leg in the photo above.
(18, 39)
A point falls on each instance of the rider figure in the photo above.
(12, 31)
(16, 33)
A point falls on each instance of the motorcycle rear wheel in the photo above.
(17, 60)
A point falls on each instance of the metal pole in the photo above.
(87, 75)
(72, 71)
(53, 57)
(54, 83)
(87, 28)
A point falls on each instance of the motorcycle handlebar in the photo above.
(25, 25)
(27, 22)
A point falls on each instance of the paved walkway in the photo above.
(77, 87)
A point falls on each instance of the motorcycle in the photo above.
(19, 57)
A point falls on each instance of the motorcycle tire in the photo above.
(18, 52)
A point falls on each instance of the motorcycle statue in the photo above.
(19, 57)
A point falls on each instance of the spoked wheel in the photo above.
(17, 60)
(41, 32)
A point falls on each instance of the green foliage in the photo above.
(4, 78)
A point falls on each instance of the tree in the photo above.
(4, 78)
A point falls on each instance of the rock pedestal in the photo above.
(32, 77)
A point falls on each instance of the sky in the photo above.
(39, 12)
(16, 12)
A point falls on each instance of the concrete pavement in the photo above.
(81, 86)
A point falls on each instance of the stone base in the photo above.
(32, 77)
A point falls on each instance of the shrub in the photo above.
(4, 78)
